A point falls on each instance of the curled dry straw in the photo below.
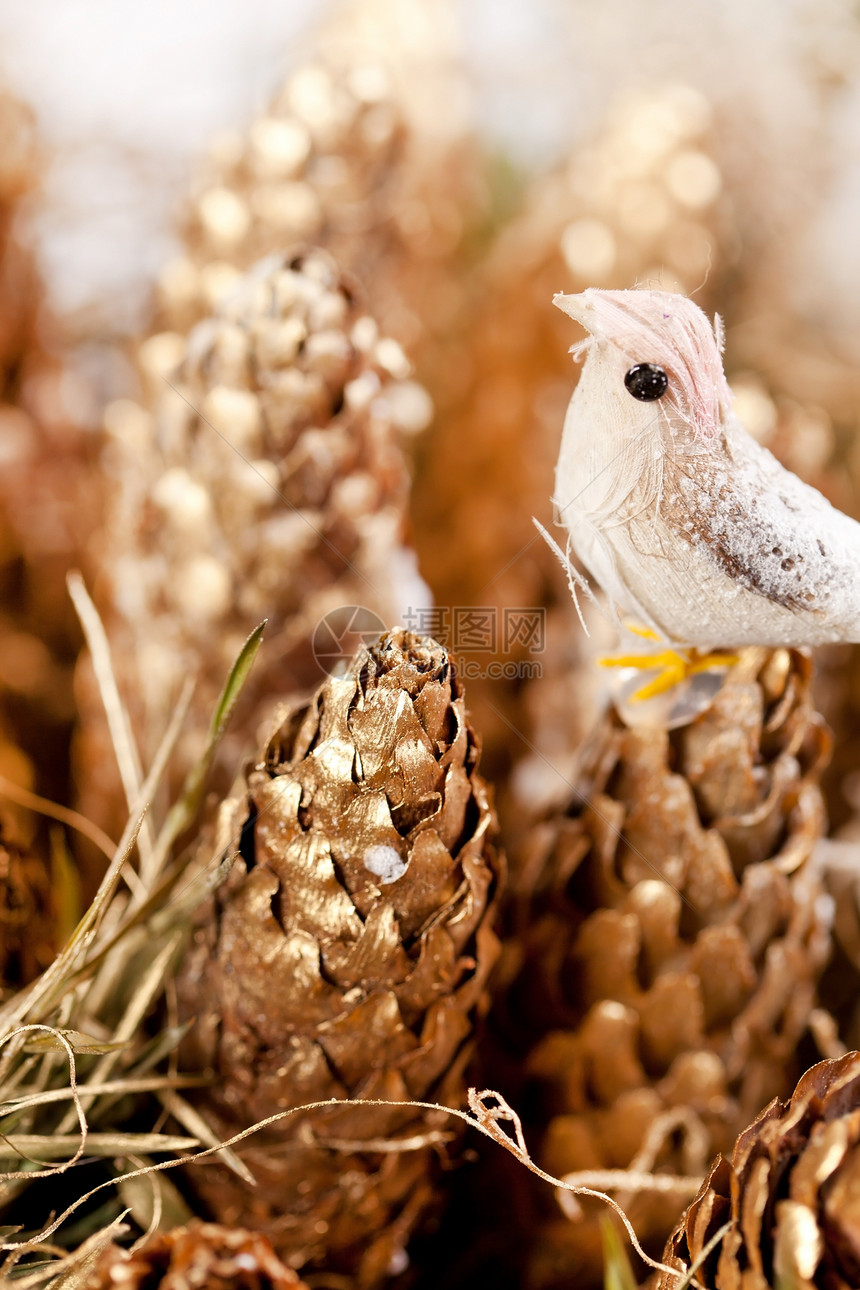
(487, 1119)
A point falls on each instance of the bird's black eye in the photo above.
(647, 382)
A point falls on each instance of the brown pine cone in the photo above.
(269, 483)
(347, 956)
(788, 1192)
(28, 934)
(202, 1256)
(678, 933)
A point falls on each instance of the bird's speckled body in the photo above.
(689, 526)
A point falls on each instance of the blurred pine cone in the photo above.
(788, 1192)
(797, 388)
(46, 494)
(28, 936)
(678, 932)
(365, 150)
(262, 478)
(202, 1256)
(836, 1028)
(347, 956)
(18, 277)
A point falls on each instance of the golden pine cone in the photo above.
(205, 1256)
(678, 934)
(265, 480)
(28, 934)
(788, 1192)
(347, 956)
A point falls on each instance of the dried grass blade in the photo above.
(159, 1047)
(194, 1123)
(75, 1271)
(74, 820)
(36, 1000)
(154, 1203)
(127, 757)
(168, 913)
(44, 1147)
(196, 891)
(77, 1040)
(60, 976)
(148, 986)
(83, 1129)
(123, 1086)
(21, 1073)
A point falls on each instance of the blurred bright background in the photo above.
(128, 95)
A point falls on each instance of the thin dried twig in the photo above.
(73, 819)
(486, 1119)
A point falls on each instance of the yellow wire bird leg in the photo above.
(674, 666)
(647, 633)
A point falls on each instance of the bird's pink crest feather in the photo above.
(670, 330)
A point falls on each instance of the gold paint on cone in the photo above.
(347, 956)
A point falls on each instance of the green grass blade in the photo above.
(185, 808)
(66, 886)
(617, 1272)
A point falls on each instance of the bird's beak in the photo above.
(577, 307)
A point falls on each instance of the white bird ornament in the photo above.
(691, 527)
